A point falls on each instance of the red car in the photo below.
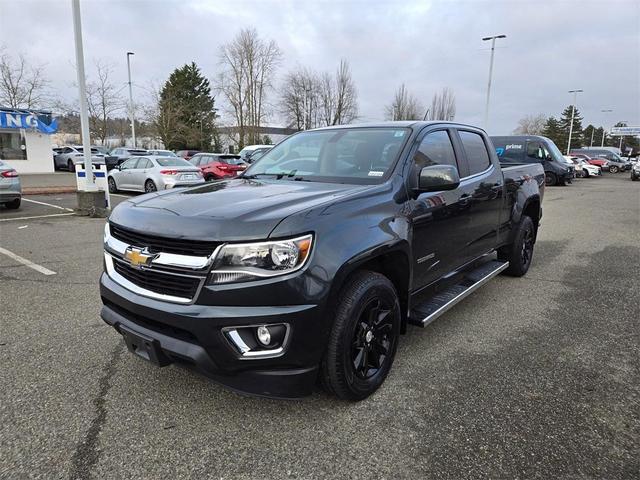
(186, 154)
(218, 165)
(599, 162)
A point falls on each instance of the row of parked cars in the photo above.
(560, 169)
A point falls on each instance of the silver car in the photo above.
(150, 173)
(10, 188)
(162, 153)
(72, 155)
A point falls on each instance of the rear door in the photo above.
(481, 193)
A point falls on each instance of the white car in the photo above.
(149, 174)
(583, 168)
(250, 150)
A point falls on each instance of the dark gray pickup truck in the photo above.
(309, 266)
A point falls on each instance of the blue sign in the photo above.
(28, 121)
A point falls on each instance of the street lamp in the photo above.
(573, 111)
(603, 130)
(493, 47)
(131, 113)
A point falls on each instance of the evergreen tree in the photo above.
(186, 113)
(576, 134)
(552, 131)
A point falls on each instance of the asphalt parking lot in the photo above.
(535, 377)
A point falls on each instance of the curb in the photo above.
(47, 190)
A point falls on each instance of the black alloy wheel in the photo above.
(519, 253)
(372, 339)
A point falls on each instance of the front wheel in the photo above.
(364, 337)
(520, 253)
(585, 173)
(613, 169)
(113, 188)
(71, 166)
(550, 179)
(149, 186)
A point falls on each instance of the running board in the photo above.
(425, 313)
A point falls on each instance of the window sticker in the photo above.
(375, 173)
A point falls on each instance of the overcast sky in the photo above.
(551, 47)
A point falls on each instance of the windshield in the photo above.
(553, 150)
(345, 155)
(172, 162)
(166, 153)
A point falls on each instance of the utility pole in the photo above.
(131, 111)
(90, 184)
(603, 129)
(573, 111)
(493, 47)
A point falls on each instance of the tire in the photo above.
(585, 173)
(613, 169)
(363, 339)
(71, 166)
(520, 253)
(209, 178)
(550, 179)
(113, 188)
(634, 178)
(13, 204)
(149, 186)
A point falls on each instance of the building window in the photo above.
(12, 145)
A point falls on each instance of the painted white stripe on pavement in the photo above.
(47, 204)
(37, 216)
(28, 263)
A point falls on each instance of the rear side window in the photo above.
(476, 150)
(535, 152)
(435, 149)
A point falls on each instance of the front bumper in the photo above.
(192, 335)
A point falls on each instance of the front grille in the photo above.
(163, 283)
(157, 244)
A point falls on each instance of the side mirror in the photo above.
(438, 177)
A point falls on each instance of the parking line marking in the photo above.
(47, 204)
(119, 195)
(37, 216)
(28, 263)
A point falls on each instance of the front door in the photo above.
(438, 218)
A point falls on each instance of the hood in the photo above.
(238, 209)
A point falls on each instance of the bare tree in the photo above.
(103, 101)
(443, 105)
(405, 106)
(21, 85)
(340, 98)
(531, 125)
(301, 100)
(248, 64)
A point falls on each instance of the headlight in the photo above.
(252, 261)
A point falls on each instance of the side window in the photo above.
(144, 163)
(476, 151)
(535, 153)
(435, 149)
(67, 150)
(130, 164)
(197, 160)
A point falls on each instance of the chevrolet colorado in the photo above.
(311, 264)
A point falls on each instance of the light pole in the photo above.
(603, 130)
(573, 111)
(131, 114)
(493, 47)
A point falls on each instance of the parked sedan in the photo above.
(218, 165)
(10, 188)
(72, 155)
(148, 174)
(598, 162)
(635, 171)
(162, 153)
(583, 168)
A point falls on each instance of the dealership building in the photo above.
(25, 139)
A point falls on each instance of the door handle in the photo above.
(464, 199)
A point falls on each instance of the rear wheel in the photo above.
(585, 173)
(520, 253)
(364, 337)
(209, 178)
(13, 204)
(149, 186)
(613, 169)
(71, 166)
(550, 179)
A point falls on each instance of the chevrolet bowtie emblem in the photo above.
(139, 257)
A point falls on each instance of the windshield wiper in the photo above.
(278, 175)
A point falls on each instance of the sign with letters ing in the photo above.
(621, 131)
(27, 120)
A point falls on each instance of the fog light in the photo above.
(264, 336)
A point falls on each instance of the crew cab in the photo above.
(215, 166)
(311, 264)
